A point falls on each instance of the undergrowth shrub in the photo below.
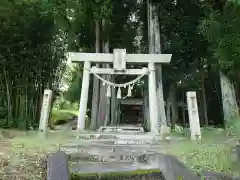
(234, 127)
(3, 112)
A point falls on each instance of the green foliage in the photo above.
(31, 57)
(62, 115)
(77, 18)
(124, 31)
(3, 112)
(180, 37)
(74, 91)
(234, 127)
(62, 103)
(221, 29)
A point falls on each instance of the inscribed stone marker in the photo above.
(57, 166)
(193, 115)
(46, 105)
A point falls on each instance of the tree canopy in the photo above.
(203, 37)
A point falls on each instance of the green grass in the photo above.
(62, 114)
(235, 127)
(211, 153)
(200, 156)
(34, 142)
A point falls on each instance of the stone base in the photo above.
(163, 130)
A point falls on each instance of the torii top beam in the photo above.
(109, 58)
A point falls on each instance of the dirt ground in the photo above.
(23, 155)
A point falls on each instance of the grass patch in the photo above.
(212, 153)
(199, 156)
(61, 116)
(234, 127)
(33, 142)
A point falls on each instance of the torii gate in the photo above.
(119, 58)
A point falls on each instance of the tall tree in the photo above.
(95, 95)
(220, 28)
(155, 47)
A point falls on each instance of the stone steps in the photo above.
(110, 146)
(111, 152)
(115, 135)
(106, 167)
(110, 157)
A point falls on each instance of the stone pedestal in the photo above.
(193, 115)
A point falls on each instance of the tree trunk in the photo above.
(204, 101)
(117, 112)
(230, 107)
(50, 123)
(9, 100)
(168, 110)
(113, 104)
(172, 109)
(108, 78)
(154, 33)
(102, 95)
(95, 95)
(146, 105)
(200, 107)
(236, 87)
(183, 109)
(150, 51)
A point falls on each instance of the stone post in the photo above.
(193, 115)
(46, 105)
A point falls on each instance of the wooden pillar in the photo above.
(84, 96)
(153, 106)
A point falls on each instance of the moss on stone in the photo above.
(114, 175)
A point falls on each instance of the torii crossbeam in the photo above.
(119, 58)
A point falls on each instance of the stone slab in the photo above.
(57, 166)
(108, 167)
(121, 129)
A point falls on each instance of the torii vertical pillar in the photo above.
(84, 96)
(152, 90)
